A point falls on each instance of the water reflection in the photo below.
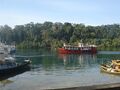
(49, 61)
(3, 83)
(70, 61)
(65, 62)
(73, 61)
(50, 70)
(4, 78)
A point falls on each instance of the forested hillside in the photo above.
(50, 34)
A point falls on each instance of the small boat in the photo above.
(8, 66)
(113, 68)
(78, 49)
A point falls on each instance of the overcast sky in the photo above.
(89, 12)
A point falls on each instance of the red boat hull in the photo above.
(65, 51)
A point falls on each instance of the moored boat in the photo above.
(7, 49)
(8, 65)
(113, 68)
(11, 49)
(79, 49)
(2, 50)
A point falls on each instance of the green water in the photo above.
(52, 70)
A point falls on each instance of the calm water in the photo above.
(51, 70)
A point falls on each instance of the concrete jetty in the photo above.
(114, 86)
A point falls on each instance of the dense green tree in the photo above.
(48, 34)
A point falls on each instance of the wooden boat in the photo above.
(79, 49)
(113, 68)
(116, 62)
(10, 66)
(109, 70)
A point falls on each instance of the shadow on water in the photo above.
(6, 76)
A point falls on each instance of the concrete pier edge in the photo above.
(113, 86)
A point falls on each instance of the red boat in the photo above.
(81, 48)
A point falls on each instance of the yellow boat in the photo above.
(116, 62)
(113, 68)
(109, 70)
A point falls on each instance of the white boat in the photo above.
(7, 49)
(10, 48)
(2, 51)
(9, 58)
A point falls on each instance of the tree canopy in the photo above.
(49, 34)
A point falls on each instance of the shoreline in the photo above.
(113, 86)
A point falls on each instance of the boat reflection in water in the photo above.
(72, 61)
